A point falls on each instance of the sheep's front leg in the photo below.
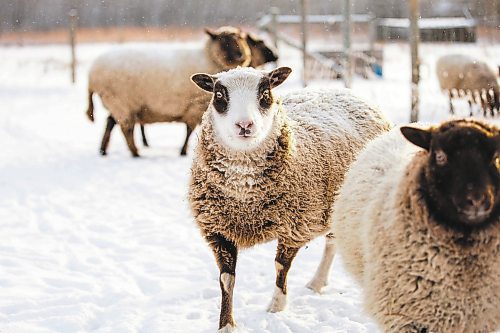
(110, 123)
(128, 131)
(320, 279)
(450, 95)
(283, 261)
(226, 254)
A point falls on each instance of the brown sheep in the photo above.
(268, 169)
(417, 223)
(152, 85)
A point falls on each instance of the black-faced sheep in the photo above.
(152, 85)
(419, 228)
(268, 169)
(462, 75)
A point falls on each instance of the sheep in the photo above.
(260, 54)
(152, 85)
(462, 75)
(417, 224)
(267, 169)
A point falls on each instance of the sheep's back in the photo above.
(154, 78)
(368, 187)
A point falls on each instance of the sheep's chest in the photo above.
(252, 207)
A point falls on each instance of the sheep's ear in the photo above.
(212, 33)
(418, 136)
(278, 75)
(204, 81)
(251, 38)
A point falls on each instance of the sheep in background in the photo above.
(152, 85)
(261, 54)
(267, 169)
(420, 228)
(462, 75)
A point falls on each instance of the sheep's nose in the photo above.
(477, 201)
(246, 124)
(244, 127)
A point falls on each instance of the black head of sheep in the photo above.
(461, 178)
(261, 52)
(232, 45)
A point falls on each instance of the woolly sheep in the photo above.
(460, 74)
(267, 169)
(420, 228)
(261, 53)
(147, 86)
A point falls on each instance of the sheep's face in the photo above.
(260, 51)
(231, 45)
(243, 108)
(463, 171)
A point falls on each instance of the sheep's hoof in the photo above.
(136, 155)
(102, 152)
(278, 302)
(316, 285)
(227, 329)
(183, 153)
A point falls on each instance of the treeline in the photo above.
(50, 14)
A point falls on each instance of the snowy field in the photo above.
(92, 244)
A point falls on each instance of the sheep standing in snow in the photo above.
(152, 85)
(266, 169)
(261, 54)
(420, 228)
(462, 75)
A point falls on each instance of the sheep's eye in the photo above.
(496, 160)
(218, 95)
(266, 94)
(441, 157)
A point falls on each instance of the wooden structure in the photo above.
(440, 29)
(327, 63)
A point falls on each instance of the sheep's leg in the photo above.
(320, 279)
(283, 261)
(450, 95)
(111, 122)
(226, 254)
(189, 130)
(128, 131)
(144, 140)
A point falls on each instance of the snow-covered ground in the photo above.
(92, 244)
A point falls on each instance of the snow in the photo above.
(93, 244)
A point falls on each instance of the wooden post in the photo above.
(347, 28)
(274, 11)
(304, 40)
(414, 37)
(72, 15)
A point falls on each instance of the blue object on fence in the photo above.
(377, 69)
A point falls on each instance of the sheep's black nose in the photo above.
(477, 201)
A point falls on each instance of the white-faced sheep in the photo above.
(152, 85)
(420, 228)
(267, 169)
(261, 53)
(462, 75)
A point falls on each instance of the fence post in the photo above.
(72, 15)
(347, 28)
(274, 11)
(304, 40)
(414, 37)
